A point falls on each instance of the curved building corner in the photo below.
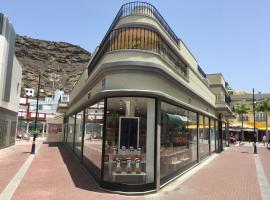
(144, 111)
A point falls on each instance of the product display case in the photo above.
(126, 165)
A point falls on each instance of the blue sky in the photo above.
(227, 36)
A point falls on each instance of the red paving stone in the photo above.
(231, 175)
(11, 160)
(264, 155)
(56, 174)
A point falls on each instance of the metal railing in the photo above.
(143, 8)
(145, 39)
(132, 8)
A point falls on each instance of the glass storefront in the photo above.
(178, 142)
(224, 134)
(129, 142)
(78, 133)
(129, 139)
(203, 136)
(93, 138)
(212, 135)
(70, 133)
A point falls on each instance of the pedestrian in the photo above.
(264, 140)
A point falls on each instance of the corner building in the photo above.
(143, 112)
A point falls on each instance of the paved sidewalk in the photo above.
(57, 174)
(231, 175)
(11, 160)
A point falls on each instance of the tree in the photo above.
(241, 109)
(264, 106)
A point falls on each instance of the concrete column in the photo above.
(150, 142)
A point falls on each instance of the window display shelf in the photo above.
(128, 177)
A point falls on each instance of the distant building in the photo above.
(10, 83)
(29, 92)
(260, 117)
(47, 111)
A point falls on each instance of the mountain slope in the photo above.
(60, 64)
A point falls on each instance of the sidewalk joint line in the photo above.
(11, 188)
(264, 185)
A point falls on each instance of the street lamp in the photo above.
(255, 136)
(35, 130)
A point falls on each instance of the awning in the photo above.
(176, 119)
(260, 125)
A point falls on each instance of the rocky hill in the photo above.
(60, 64)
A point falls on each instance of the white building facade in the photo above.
(143, 112)
(10, 83)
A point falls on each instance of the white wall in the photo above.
(3, 60)
(15, 85)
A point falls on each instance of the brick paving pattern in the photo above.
(264, 155)
(232, 175)
(56, 174)
(11, 160)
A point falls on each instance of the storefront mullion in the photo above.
(212, 135)
(70, 133)
(104, 140)
(78, 134)
(83, 134)
(74, 132)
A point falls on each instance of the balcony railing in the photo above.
(143, 8)
(145, 39)
(133, 8)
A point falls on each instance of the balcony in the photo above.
(135, 8)
(140, 39)
(223, 102)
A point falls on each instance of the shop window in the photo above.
(129, 150)
(70, 133)
(92, 151)
(212, 135)
(216, 135)
(203, 136)
(78, 133)
(178, 142)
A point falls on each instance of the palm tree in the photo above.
(264, 106)
(241, 109)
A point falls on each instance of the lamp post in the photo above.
(255, 134)
(35, 131)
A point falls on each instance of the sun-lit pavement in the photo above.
(11, 160)
(56, 174)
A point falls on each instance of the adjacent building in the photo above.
(10, 83)
(248, 119)
(143, 111)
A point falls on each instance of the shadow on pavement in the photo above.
(81, 178)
